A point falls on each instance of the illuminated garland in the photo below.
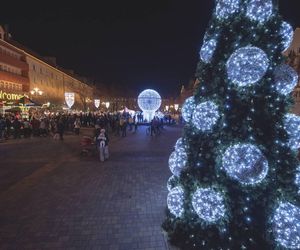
(207, 50)
(259, 10)
(292, 127)
(226, 8)
(175, 201)
(286, 79)
(188, 108)
(178, 161)
(287, 33)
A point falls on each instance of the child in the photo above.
(102, 140)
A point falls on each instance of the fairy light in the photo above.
(175, 201)
(180, 144)
(245, 163)
(259, 10)
(287, 33)
(292, 127)
(205, 116)
(286, 225)
(208, 204)
(178, 161)
(207, 50)
(226, 8)
(286, 79)
(188, 108)
(247, 65)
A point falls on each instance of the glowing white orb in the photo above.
(205, 116)
(149, 101)
(188, 108)
(286, 225)
(175, 201)
(286, 79)
(178, 161)
(287, 34)
(226, 8)
(292, 127)
(208, 204)
(170, 182)
(247, 65)
(245, 163)
(180, 144)
(207, 50)
(259, 10)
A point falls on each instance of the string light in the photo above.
(292, 127)
(208, 204)
(286, 79)
(286, 225)
(205, 116)
(175, 201)
(226, 8)
(188, 108)
(287, 33)
(178, 161)
(259, 10)
(245, 163)
(247, 65)
(207, 50)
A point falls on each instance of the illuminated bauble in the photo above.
(286, 225)
(188, 108)
(286, 79)
(175, 201)
(226, 8)
(208, 204)
(247, 65)
(287, 33)
(180, 144)
(245, 163)
(207, 50)
(205, 116)
(292, 127)
(149, 101)
(171, 180)
(178, 161)
(297, 179)
(259, 10)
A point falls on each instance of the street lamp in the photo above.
(36, 92)
(176, 106)
(107, 104)
(97, 103)
(167, 108)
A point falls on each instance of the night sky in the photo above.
(127, 45)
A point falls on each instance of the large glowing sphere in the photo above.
(245, 163)
(247, 65)
(205, 116)
(149, 101)
(292, 127)
(259, 10)
(208, 204)
(207, 50)
(286, 79)
(188, 108)
(175, 201)
(286, 225)
(178, 161)
(287, 33)
(226, 8)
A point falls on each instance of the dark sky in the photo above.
(131, 45)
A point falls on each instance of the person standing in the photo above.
(77, 126)
(102, 142)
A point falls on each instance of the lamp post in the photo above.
(107, 104)
(176, 106)
(167, 108)
(36, 92)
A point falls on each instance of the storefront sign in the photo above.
(9, 96)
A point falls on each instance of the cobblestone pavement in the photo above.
(52, 198)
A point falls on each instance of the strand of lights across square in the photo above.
(205, 116)
(178, 161)
(292, 127)
(286, 225)
(247, 65)
(259, 10)
(287, 33)
(245, 163)
(286, 79)
(208, 204)
(226, 8)
(175, 201)
(170, 181)
(207, 50)
(188, 108)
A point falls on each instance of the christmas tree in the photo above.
(235, 171)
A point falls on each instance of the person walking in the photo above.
(102, 142)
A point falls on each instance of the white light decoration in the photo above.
(180, 145)
(247, 65)
(287, 34)
(188, 108)
(297, 179)
(226, 8)
(175, 201)
(208, 204)
(292, 127)
(286, 79)
(70, 99)
(205, 116)
(245, 163)
(286, 225)
(170, 180)
(259, 10)
(207, 50)
(97, 103)
(178, 161)
(149, 101)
